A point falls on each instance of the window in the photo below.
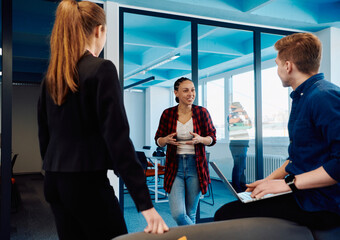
(215, 105)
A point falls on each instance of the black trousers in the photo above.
(284, 207)
(84, 205)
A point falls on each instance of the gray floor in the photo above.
(135, 221)
(34, 219)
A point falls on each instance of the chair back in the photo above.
(14, 159)
(142, 159)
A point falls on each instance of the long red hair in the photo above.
(74, 24)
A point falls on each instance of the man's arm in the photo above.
(279, 173)
(314, 179)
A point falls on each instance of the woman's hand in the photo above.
(266, 186)
(198, 139)
(195, 140)
(168, 140)
(155, 222)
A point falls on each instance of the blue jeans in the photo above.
(185, 191)
(238, 149)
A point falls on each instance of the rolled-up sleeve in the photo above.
(163, 127)
(332, 167)
(210, 129)
(327, 119)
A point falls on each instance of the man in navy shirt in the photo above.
(312, 170)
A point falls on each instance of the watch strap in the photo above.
(290, 181)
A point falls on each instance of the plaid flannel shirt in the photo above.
(203, 126)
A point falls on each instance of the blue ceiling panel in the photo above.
(250, 6)
(268, 40)
(330, 14)
(149, 40)
(268, 54)
(209, 60)
(288, 10)
(175, 74)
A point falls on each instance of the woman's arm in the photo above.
(210, 129)
(43, 132)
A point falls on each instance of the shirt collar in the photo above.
(299, 91)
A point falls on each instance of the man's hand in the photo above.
(155, 222)
(265, 186)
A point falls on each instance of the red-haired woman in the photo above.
(83, 131)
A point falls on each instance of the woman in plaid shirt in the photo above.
(186, 129)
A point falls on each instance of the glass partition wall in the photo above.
(157, 51)
(225, 62)
(275, 108)
(226, 72)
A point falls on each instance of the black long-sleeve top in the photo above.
(90, 131)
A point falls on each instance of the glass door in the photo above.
(226, 76)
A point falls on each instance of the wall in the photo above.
(111, 52)
(325, 66)
(157, 100)
(25, 129)
(135, 109)
(335, 55)
(330, 39)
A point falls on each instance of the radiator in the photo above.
(270, 164)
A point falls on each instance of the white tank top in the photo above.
(183, 135)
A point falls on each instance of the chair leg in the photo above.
(210, 191)
(16, 198)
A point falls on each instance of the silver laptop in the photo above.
(243, 196)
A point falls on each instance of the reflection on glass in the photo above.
(275, 108)
(243, 93)
(226, 67)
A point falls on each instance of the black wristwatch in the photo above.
(290, 180)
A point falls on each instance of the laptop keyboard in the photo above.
(245, 195)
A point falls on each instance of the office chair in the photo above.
(210, 189)
(150, 173)
(148, 165)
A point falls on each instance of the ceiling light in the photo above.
(173, 57)
(140, 82)
(163, 62)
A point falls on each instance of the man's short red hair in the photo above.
(303, 49)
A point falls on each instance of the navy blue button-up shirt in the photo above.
(314, 132)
